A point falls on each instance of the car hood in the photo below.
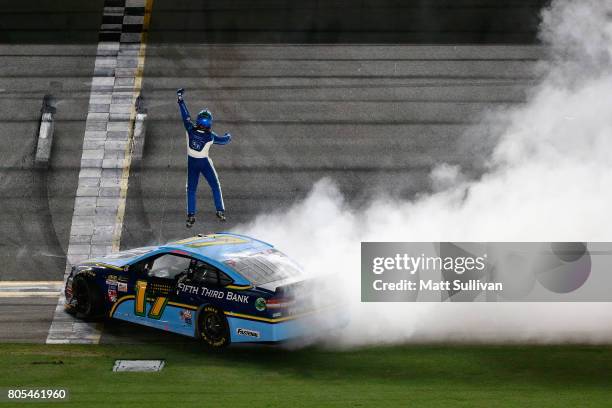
(122, 258)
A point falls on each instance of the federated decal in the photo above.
(247, 333)
(260, 304)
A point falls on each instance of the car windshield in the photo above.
(265, 267)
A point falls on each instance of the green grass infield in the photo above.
(271, 376)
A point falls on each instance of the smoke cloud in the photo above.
(548, 178)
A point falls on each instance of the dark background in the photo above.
(349, 21)
(287, 21)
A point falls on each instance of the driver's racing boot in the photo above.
(221, 215)
(190, 220)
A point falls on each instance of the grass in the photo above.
(474, 376)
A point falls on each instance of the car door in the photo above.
(203, 284)
(153, 283)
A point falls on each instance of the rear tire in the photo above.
(88, 299)
(213, 328)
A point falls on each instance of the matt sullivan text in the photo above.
(429, 284)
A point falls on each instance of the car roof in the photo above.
(219, 246)
(214, 249)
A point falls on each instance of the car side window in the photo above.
(225, 280)
(168, 266)
(207, 275)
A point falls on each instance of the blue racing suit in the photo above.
(198, 145)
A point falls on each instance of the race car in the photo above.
(222, 288)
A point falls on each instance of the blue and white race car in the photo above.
(221, 288)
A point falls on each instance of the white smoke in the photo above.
(549, 178)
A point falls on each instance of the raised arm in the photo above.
(183, 109)
(222, 140)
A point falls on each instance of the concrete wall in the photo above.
(50, 21)
(348, 21)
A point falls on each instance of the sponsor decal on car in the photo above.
(237, 298)
(260, 304)
(186, 316)
(114, 279)
(122, 286)
(112, 295)
(87, 272)
(248, 333)
(191, 289)
(213, 293)
(218, 294)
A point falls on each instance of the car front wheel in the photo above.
(88, 300)
(213, 328)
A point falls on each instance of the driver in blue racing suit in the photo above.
(199, 139)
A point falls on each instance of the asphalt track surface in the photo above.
(372, 118)
(303, 95)
(45, 48)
